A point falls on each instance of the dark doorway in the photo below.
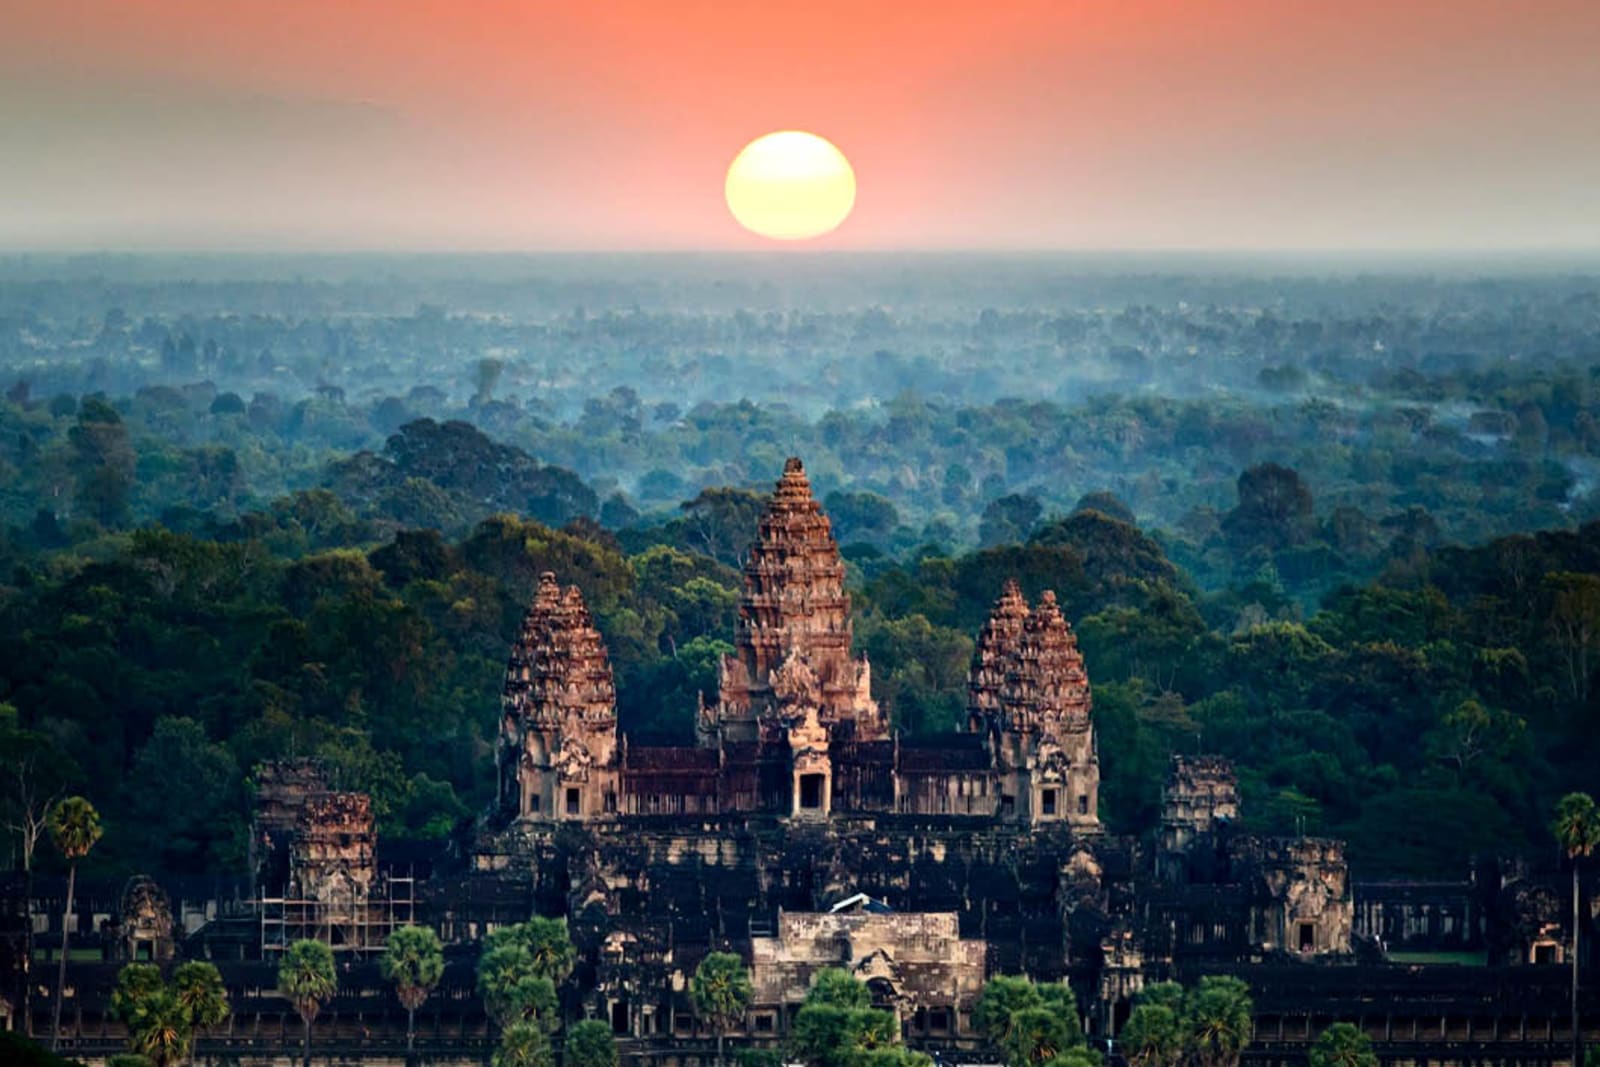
(1308, 937)
(572, 802)
(619, 1016)
(811, 792)
(1047, 802)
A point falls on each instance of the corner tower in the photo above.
(558, 730)
(1029, 690)
(791, 658)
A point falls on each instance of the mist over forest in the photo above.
(1334, 519)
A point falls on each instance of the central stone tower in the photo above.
(792, 675)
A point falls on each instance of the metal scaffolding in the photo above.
(359, 924)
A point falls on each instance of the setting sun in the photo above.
(790, 185)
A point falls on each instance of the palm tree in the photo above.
(414, 962)
(1036, 1036)
(1577, 830)
(74, 827)
(551, 948)
(307, 978)
(162, 1030)
(1217, 1021)
(1343, 1045)
(589, 1044)
(1002, 997)
(720, 992)
(512, 992)
(523, 1045)
(199, 989)
(1151, 1037)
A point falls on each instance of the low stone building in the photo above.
(917, 965)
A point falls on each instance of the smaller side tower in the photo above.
(558, 732)
(1199, 803)
(1029, 691)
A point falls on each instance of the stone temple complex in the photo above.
(794, 736)
(801, 831)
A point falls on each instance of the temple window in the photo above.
(533, 802)
(1047, 802)
(572, 801)
(1083, 803)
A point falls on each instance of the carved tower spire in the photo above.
(1029, 690)
(1048, 691)
(794, 608)
(993, 657)
(559, 704)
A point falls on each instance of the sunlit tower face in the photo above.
(790, 186)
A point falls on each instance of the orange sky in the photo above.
(992, 124)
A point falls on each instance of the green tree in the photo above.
(1009, 519)
(861, 516)
(838, 988)
(523, 1044)
(869, 1030)
(162, 1030)
(510, 984)
(306, 976)
(1168, 995)
(1575, 623)
(136, 983)
(1217, 1021)
(589, 1044)
(1151, 1037)
(200, 992)
(720, 992)
(163, 1020)
(721, 523)
(186, 811)
(838, 1027)
(1002, 997)
(412, 962)
(1036, 1036)
(74, 828)
(1577, 830)
(1057, 997)
(1343, 1045)
(551, 948)
(103, 462)
(1077, 1057)
(1274, 511)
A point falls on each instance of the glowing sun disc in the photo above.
(790, 185)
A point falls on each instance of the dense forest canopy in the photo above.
(1336, 526)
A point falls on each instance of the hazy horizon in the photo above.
(1428, 127)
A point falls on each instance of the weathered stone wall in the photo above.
(1199, 803)
(910, 961)
(1301, 893)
